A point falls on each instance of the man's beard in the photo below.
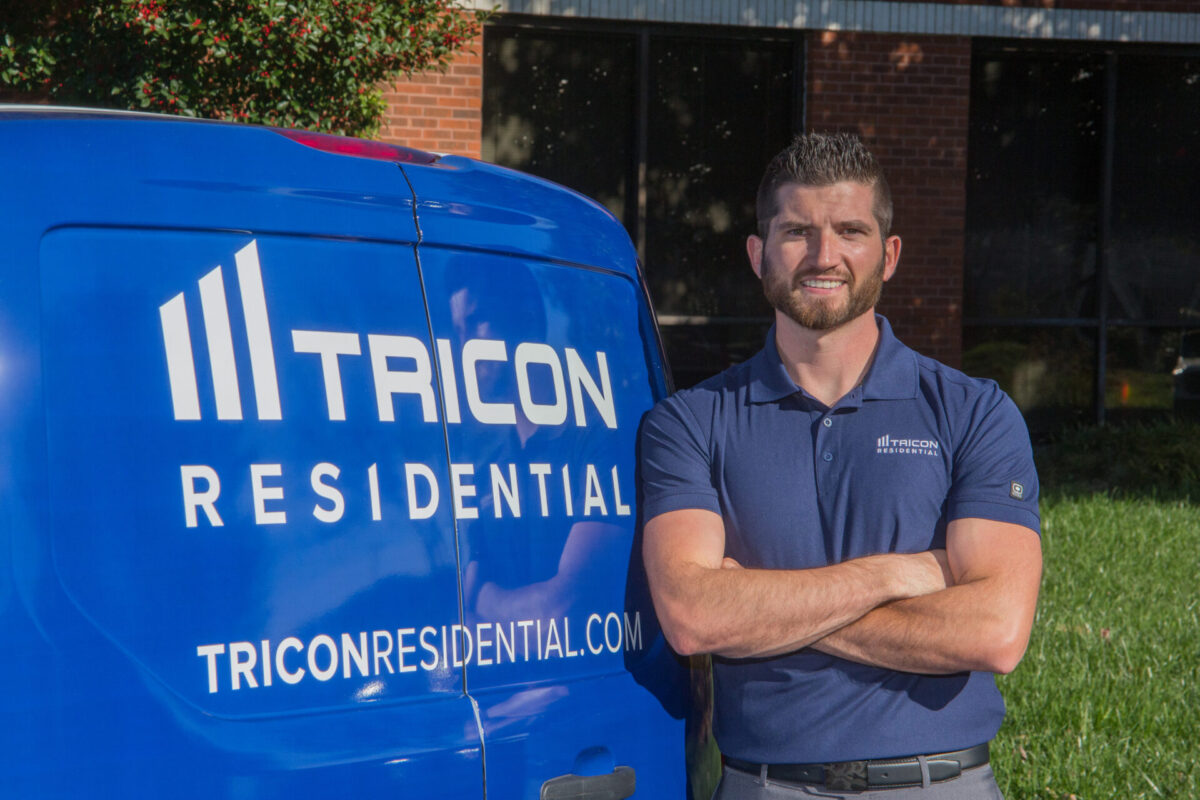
(817, 313)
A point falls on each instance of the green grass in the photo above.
(1106, 703)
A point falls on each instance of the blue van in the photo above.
(318, 474)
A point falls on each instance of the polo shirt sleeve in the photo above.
(994, 476)
(675, 462)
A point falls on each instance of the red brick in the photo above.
(907, 97)
(439, 110)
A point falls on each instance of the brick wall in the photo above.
(439, 111)
(907, 97)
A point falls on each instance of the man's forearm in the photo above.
(954, 630)
(982, 622)
(745, 613)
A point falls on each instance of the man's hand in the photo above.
(709, 604)
(982, 622)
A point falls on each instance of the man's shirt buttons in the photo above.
(828, 456)
(827, 422)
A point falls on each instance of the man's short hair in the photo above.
(823, 159)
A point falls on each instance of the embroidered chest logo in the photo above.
(896, 445)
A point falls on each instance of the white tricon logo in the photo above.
(888, 444)
(181, 365)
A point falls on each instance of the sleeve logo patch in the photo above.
(1016, 490)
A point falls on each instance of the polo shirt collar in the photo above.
(769, 379)
(893, 373)
(892, 376)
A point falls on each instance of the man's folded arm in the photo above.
(981, 622)
(705, 608)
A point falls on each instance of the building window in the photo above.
(670, 127)
(1082, 284)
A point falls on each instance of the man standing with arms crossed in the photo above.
(850, 528)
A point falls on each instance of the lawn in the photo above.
(1106, 703)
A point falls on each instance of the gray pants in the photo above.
(974, 784)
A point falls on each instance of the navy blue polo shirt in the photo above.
(801, 485)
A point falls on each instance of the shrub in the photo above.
(314, 64)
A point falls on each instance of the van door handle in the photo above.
(616, 785)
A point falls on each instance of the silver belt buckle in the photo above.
(846, 776)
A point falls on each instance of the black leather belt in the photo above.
(876, 773)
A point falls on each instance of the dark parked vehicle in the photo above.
(1187, 376)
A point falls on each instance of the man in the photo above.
(850, 528)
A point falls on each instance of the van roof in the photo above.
(91, 156)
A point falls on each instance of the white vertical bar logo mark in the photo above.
(181, 366)
(181, 363)
(258, 332)
(220, 345)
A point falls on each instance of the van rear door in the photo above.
(547, 362)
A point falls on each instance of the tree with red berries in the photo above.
(316, 64)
